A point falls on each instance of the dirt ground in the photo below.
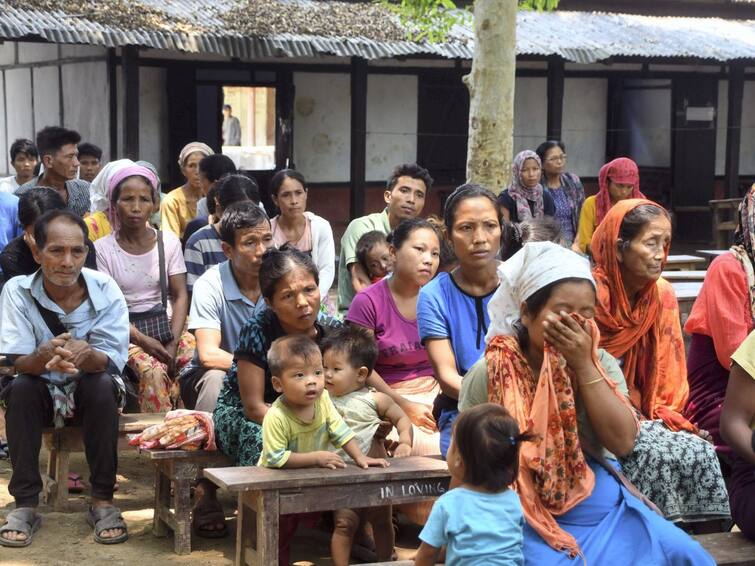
(66, 540)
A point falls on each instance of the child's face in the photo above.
(379, 262)
(341, 378)
(454, 461)
(302, 381)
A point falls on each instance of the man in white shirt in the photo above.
(24, 158)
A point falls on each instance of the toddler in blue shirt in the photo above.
(480, 522)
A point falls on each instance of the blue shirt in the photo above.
(9, 226)
(217, 303)
(477, 528)
(445, 311)
(204, 248)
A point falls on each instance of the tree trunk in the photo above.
(491, 90)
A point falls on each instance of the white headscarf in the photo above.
(530, 269)
(99, 186)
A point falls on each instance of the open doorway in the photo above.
(248, 129)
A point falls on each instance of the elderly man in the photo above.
(66, 329)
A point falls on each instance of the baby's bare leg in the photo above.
(382, 529)
(346, 523)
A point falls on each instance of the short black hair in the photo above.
(238, 216)
(543, 229)
(544, 147)
(41, 225)
(237, 188)
(91, 150)
(216, 166)
(401, 233)
(282, 175)
(356, 342)
(52, 138)
(212, 195)
(287, 348)
(22, 145)
(36, 202)
(227, 107)
(277, 263)
(487, 439)
(410, 170)
(365, 243)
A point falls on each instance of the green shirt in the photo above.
(474, 391)
(355, 230)
(284, 433)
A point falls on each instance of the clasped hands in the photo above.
(65, 354)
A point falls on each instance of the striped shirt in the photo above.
(203, 250)
(284, 433)
(78, 194)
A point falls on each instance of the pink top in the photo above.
(401, 355)
(279, 238)
(722, 309)
(138, 276)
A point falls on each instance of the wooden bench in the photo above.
(674, 276)
(729, 549)
(265, 494)
(176, 471)
(684, 262)
(724, 219)
(62, 441)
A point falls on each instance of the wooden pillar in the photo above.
(130, 70)
(358, 135)
(112, 79)
(734, 128)
(555, 97)
(284, 124)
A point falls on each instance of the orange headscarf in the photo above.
(553, 474)
(647, 336)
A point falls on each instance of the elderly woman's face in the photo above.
(476, 232)
(190, 170)
(642, 260)
(554, 161)
(296, 301)
(134, 205)
(570, 297)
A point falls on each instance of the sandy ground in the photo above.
(65, 538)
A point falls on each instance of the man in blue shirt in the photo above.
(66, 329)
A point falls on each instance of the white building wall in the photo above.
(153, 118)
(4, 147)
(530, 112)
(46, 97)
(18, 106)
(584, 125)
(86, 102)
(322, 126)
(747, 141)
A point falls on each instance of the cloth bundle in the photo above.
(182, 429)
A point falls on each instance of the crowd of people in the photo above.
(528, 338)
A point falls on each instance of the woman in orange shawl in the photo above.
(638, 317)
(542, 363)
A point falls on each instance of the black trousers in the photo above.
(30, 409)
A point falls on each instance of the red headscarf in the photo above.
(647, 335)
(621, 170)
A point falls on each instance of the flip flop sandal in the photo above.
(75, 484)
(201, 517)
(22, 520)
(106, 518)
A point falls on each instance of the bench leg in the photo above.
(49, 487)
(60, 500)
(162, 502)
(182, 532)
(268, 527)
(256, 532)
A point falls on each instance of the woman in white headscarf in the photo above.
(179, 207)
(543, 365)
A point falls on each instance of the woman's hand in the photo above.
(570, 339)
(421, 416)
(172, 349)
(155, 349)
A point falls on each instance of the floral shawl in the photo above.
(648, 336)
(744, 242)
(522, 194)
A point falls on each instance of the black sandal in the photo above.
(106, 518)
(24, 520)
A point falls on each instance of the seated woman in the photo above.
(179, 207)
(452, 315)
(289, 283)
(565, 188)
(638, 318)
(148, 267)
(721, 319)
(737, 418)
(543, 365)
(526, 198)
(618, 180)
(388, 309)
(307, 232)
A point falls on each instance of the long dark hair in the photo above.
(279, 262)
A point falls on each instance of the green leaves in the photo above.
(539, 5)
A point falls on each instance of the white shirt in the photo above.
(8, 184)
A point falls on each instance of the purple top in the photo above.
(401, 355)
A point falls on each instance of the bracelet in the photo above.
(593, 381)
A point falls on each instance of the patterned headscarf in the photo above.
(194, 147)
(520, 193)
(621, 170)
(744, 242)
(117, 178)
(553, 474)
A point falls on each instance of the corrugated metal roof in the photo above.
(576, 36)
